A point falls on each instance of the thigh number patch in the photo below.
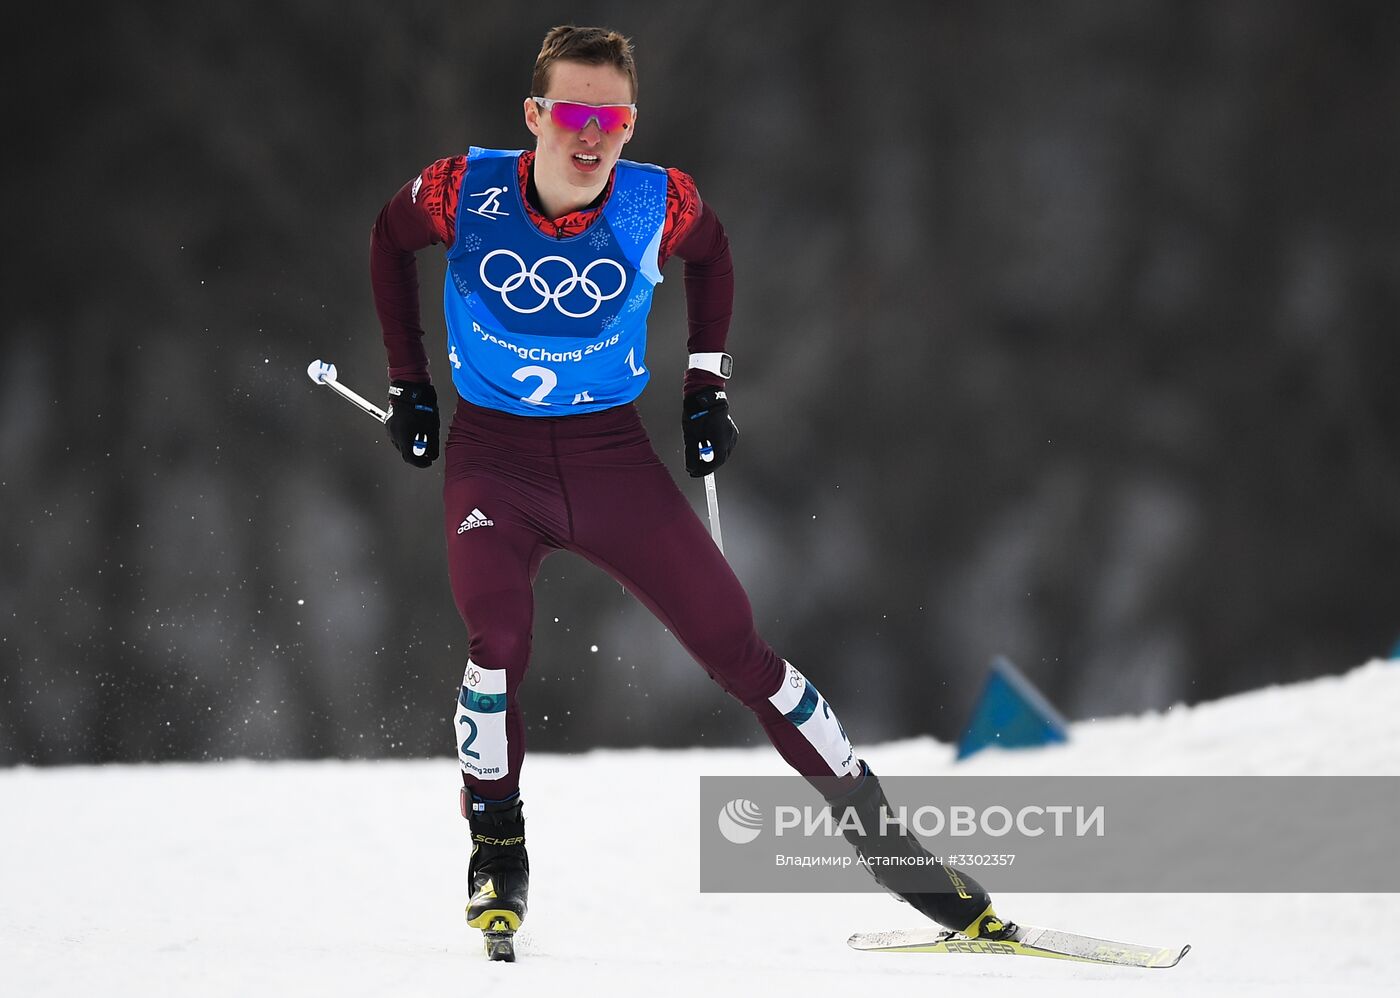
(800, 702)
(481, 723)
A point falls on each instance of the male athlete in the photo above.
(553, 256)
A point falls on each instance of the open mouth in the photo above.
(585, 161)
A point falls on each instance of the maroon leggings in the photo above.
(519, 488)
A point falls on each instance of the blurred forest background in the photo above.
(1064, 331)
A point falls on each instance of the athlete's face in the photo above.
(579, 158)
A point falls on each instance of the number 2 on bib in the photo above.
(548, 379)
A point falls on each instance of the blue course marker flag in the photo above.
(1011, 713)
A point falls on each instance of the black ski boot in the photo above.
(499, 874)
(962, 906)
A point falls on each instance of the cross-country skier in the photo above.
(553, 256)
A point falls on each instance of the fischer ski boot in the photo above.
(962, 907)
(499, 874)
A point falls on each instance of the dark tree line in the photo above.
(1063, 331)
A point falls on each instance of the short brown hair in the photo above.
(594, 46)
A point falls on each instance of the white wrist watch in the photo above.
(716, 363)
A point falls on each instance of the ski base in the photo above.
(1026, 940)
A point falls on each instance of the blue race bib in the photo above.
(539, 326)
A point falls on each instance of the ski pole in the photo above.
(324, 374)
(711, 500)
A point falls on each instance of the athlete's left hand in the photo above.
(710, 433)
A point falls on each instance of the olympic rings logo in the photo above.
(573, 281)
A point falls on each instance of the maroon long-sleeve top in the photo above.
(424, 212)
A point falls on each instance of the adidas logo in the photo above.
(476, 518)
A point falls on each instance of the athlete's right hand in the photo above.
(414, 424)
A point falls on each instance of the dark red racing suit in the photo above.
(518, 488)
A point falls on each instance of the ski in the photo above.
(499, 938)
(1025, 940)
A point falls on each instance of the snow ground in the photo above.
(347, 878)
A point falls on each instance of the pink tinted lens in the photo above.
(575, 117)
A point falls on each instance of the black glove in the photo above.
(710, 433)
(413, 422)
